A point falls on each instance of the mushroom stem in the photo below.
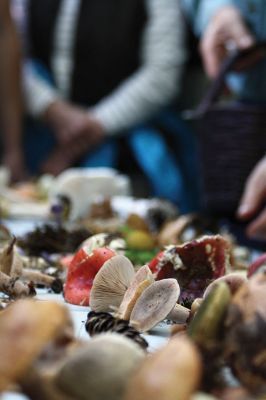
(42, 279)
(179, 314)
(13, 287)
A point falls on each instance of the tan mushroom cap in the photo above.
(155, 304)
(25, 328)
(143, 278)
(172, 373)
(111, 283)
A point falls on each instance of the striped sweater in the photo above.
(141, 95)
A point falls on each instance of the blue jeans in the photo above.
(171, 172)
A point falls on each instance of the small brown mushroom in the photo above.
(171, 373)
(11, 264)
(155, 304)
(172, 231)
(143, 278)
(15, 288)
(110, 283)
(26, 328)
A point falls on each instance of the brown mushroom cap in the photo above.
(111, 283)
(155, 304)
(25, 328)
(171, 373)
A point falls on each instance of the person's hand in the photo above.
(72, 123)
(14, 161)
(67, 120)
(225, 30)
(252, 200)
(80, 140)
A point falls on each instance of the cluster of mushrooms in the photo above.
(215, 349)
(18, 280)
(216, 352)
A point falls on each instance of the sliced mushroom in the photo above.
(141, 281)
(111, 283)
(26, 328)
(172, 373)
(155, 304)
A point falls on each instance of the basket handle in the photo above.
(217, 86)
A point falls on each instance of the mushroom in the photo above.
(172, 231)
(172, 373)
(143, 278)
(245, 340)
(101, 369)
(204, 327)
(15, 288)
(233, 280)
(11, 264)
(154, 304)
(179, 314)
(110, 240)
(26, 329)
(111, 283)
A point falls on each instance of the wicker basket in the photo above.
(232, 138)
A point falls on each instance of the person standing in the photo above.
(11, 109)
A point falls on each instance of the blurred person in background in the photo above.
(223, 26)
(12, 153)
(96, 70)
(253, 202)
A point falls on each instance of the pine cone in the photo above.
(99, 322)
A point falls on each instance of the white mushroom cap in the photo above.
(111, 283)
